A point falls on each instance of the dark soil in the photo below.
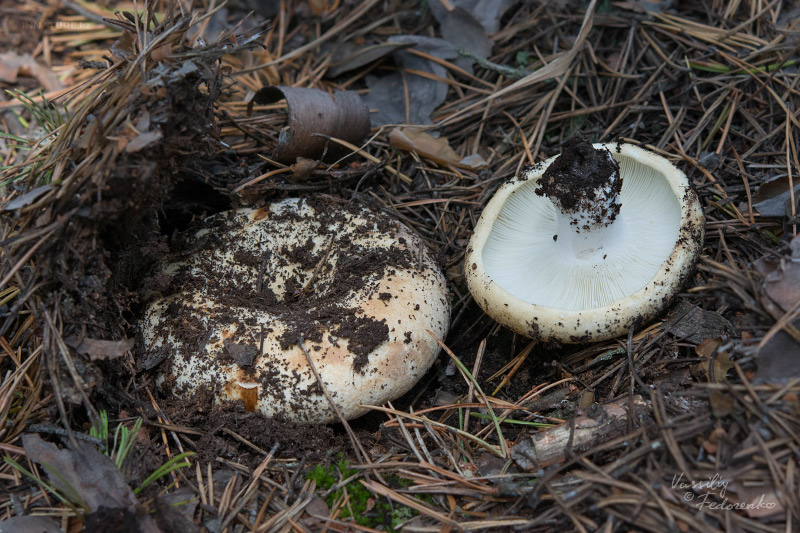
(215, 422)
(717, 107)
(573, 180)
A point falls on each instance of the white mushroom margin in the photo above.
(521, 275)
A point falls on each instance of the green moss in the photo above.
(362, 506)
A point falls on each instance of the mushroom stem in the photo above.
(580, 241)
(584, 185)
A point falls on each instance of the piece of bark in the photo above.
(313, 115)
(598, 424)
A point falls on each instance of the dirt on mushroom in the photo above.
(576, 175)
(350, 288)
(722, 114)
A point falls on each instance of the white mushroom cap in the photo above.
(358, 286)
(545, 278)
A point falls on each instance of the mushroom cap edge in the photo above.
(601, 323)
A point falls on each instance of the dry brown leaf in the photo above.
(101, 350)
(782, 284)
(28, 524)
(13, 64)
(85, 472)
(437, 150)
(303, 168)
(706, 348)
(721, 401)
(321, 7)
(143, 140)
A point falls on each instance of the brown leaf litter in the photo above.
(159, 136)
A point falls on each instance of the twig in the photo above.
(363, 456)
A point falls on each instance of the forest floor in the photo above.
(122, 125)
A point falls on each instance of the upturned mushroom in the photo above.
(577, 248)
(261, 292)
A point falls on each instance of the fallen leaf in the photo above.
(782, 277)
(779, 358)
(175, 510)
(490, 465)
(87, 475)
(388, 93)
(721, 401)
(143, 140)
(321, 7)
(27, 199)
(29, 524)
(712, 444)
(486, 12)
(314, 114)
(316, 511)
(772, 199)
(13, 64)
(426, 145)
(692, 324)
(706, 348)
(85, 472)
(101, 350)
(722, 363)
(348, 56)
(462, 29)
(123, 47)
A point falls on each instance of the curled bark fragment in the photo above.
(314, 114)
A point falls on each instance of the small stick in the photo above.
(350, 433)
(55, 430)
(318, 267)
(471, 391)
(261, 269)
